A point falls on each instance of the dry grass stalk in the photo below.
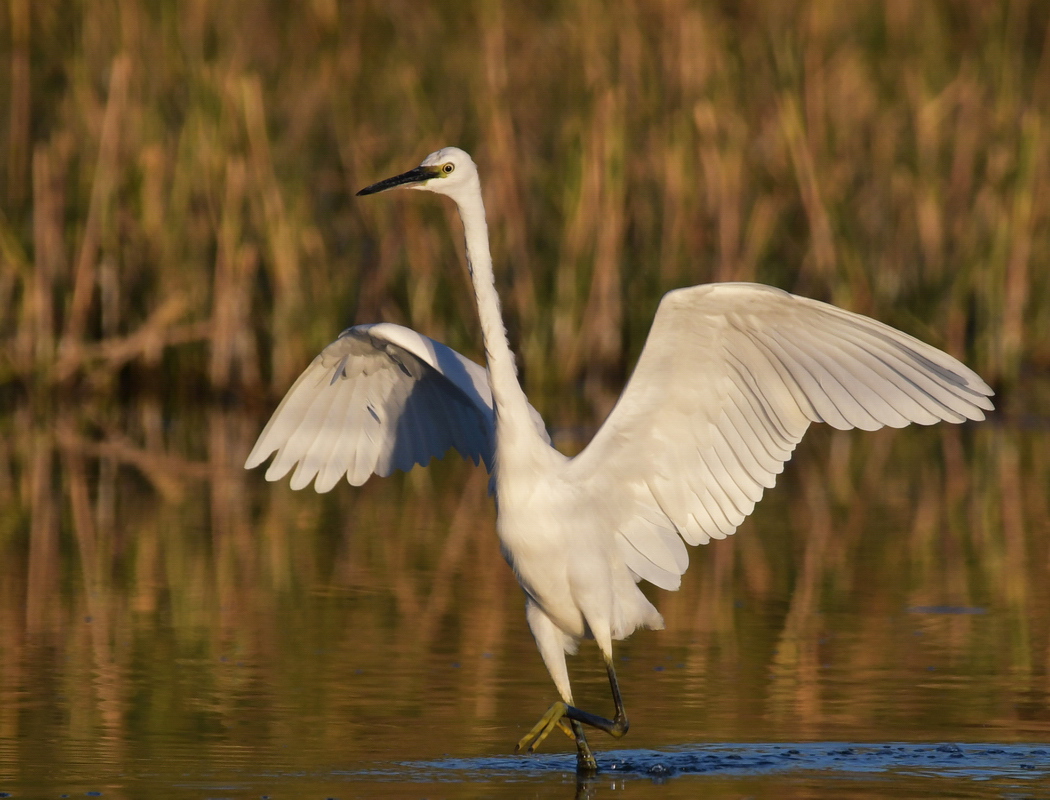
(886, 158)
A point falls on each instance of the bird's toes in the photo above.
(566, 728)
(554, 718)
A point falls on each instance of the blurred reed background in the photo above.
(177, 177)
(177, 224)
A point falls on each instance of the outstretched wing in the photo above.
(729, 380)
(380, 397)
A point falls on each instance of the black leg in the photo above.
(615, 727)
(585, 763)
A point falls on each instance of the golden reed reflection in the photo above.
(149, 586)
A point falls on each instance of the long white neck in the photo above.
(511, 406)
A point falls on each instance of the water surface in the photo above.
(172, 626)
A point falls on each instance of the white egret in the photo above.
(729, 380)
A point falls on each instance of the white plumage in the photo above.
(379, 398)
(730, 378)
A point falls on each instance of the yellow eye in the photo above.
(447, 168)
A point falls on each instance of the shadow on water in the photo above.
(975, 761)
(1024, 767)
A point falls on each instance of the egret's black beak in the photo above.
(417, 175)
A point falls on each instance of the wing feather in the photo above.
(317, 445)
(379, 398)
(819, 379)
(341, 445)
(888, 403)
(730, 379)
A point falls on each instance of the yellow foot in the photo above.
(554, 718)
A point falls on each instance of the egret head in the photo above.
(443, 172)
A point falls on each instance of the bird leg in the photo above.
(559, 712)
(585, 762)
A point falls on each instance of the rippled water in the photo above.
(172, 626)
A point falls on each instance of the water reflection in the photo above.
(165, 613)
